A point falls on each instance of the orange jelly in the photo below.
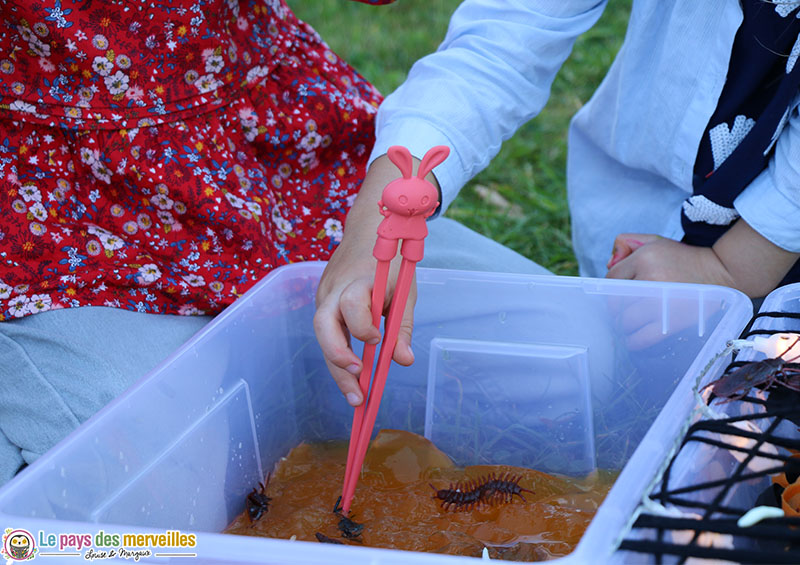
(395, 502)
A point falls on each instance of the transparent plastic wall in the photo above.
(559, 374)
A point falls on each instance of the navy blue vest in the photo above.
(754, 105)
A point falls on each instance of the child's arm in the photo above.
(491, 74)
(344, 292)
(741, 258)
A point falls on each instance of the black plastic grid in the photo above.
(772, 540)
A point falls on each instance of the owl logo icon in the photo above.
(18, 545)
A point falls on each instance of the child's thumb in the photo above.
(403, 355)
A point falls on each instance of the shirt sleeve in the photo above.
(771, 203)
(491, 74)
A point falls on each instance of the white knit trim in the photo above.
(724, 140)
(698, 208)
(793, 56)
(786, 7)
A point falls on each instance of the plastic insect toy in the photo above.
(405, 204)
(484, 490)
(459, 497)
(503, 488)
(322, 538)
(257, 502)
(350, 529)
(773, 371)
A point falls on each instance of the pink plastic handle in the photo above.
(367, 361)
(405, 204)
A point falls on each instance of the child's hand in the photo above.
(345, 289)
(343, 309)
(624, 245)
(742, 259)
(655, 258)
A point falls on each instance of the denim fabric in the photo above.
(57, 368)
(451, 245)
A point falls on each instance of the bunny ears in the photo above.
(401, 157)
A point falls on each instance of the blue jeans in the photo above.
(58, 368)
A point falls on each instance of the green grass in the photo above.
(528, 175)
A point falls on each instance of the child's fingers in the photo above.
(620, 251)
(354, 304)
(344, 365)
(647, 335)
(627, 243)
(622, 269)
(633, 266)
(638, 313)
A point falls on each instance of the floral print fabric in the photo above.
(163, 157)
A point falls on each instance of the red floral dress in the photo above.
(164, 156)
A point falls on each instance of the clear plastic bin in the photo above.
(559, 374)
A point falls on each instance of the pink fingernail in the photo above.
(354, 369)
(352, 399)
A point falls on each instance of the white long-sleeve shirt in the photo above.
(632, 147)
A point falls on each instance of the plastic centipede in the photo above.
(489, 489)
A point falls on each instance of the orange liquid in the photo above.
(395, 503)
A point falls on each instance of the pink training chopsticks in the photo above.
(405, 204)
